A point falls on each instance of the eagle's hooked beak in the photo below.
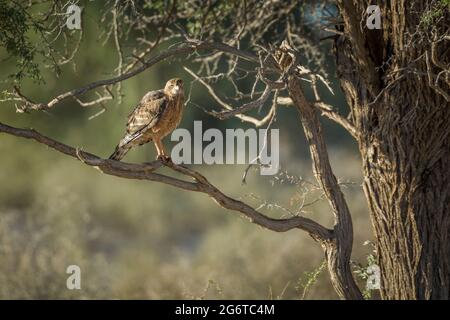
(177, 88)
(174, 87)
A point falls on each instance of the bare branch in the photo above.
(327, 111)
(100, 99)
(118, 48)
(433, 85)
(338, 253)
(201, 184)
(349, 11)
(236, 112)
(184, 48)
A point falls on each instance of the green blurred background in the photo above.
(138, 239)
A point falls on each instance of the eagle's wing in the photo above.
(145, 115)
(147, 112)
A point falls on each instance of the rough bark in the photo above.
(401, 111)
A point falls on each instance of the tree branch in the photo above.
(201, 184)
(184, 48)
(328, 112)
(352, 21)
(236, 112)
(339, 251)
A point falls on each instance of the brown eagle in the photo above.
(157, 114)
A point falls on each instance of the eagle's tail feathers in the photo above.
(120, 152)
(122, 148)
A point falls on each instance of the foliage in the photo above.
(435, 13)
(362, 270)
(309, 279)
(14, 25)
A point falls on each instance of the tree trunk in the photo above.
(400, 108)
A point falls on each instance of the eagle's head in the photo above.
(174, 87)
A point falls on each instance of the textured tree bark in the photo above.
(403, 122)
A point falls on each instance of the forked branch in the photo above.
(198, 184)
(339, 251)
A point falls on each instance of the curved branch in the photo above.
(184, 48)
(201, 184)
(236, 112)
(350, 10)
(338, 252)
(327, 111)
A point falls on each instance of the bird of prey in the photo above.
(157, 114)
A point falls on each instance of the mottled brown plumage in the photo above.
(157, 114)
